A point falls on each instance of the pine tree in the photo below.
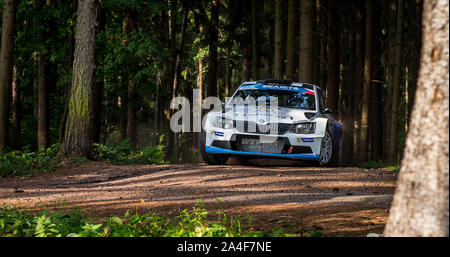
(421, 201)
(78, 133)
(278, 59)
(364, 139)
(6, 67)
(306, 51)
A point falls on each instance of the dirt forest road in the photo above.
(335, 201)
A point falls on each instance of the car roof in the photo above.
(282, 82)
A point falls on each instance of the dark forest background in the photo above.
(365, 54)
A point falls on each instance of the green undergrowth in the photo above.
(394, 167)
(19, 163)
(24, 162)
(188, 223)
(121, 154)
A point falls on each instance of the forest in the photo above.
(365, 54)
(87, 85)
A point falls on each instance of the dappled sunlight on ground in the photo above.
(335, 201)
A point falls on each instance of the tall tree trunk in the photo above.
(316, 43)
(200, 75)
(347, 58)
(421, 201)
(227, 72)
(132, 96)
(98, 89)
(414, 64)
(156, 117)
(172, 22)
(323, 38)
(364, 140)
(62, 122)
(333, 57)
(132, 115)
(267, 46)
(6, 67)
(392, 11)
(358, 78)
(176, 75)
(396, 83)
(197, 135)
(290, 43)
(306, 51)
(255, 57)
(172, 39)
(78, 132)
(16, 116)
(278, 58)
(179, 51)
(213, 41)
(376, 108)
(42, 103)
(346, 117)
(42, 84)
(123, 100)
(126, 92)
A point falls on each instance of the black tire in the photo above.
(335, 152)
(336, 156)
(212, 159)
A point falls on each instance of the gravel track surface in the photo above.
(335, 201)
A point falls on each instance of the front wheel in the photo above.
(329, 156)
(213, 159)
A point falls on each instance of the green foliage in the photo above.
(314, 233)
(189, 223)
(56, 21)
(21, 163)
(394, 167)
(25, 162)
(121, 154)
(137, 56)
(153, 6)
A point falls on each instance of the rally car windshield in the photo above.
(298, 99)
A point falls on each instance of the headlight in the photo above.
(217, 122)
(304, 128)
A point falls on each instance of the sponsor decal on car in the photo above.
(305, 140)
(279, 87)
(219, 134)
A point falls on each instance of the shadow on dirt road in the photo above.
(335, 201)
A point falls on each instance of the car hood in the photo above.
(269, 115)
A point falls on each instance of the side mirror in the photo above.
(327, 111)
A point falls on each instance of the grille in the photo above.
(253, 127)
(254, 144)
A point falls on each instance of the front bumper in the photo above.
(288, 145)
(217, 150)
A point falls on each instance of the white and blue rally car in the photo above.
(297, 126)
